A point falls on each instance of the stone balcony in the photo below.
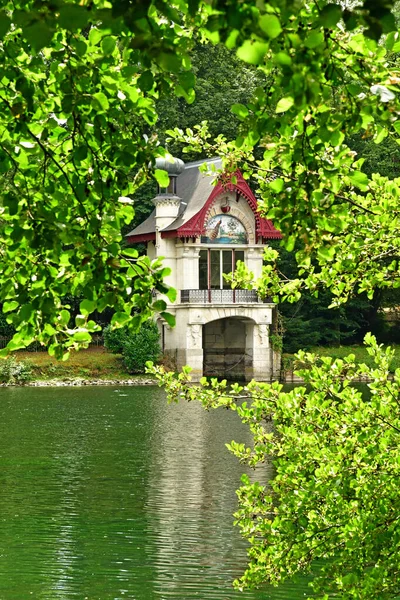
(220, 297)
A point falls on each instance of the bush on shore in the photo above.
(15, 371)
(136, 348)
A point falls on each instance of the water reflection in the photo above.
(111, 494)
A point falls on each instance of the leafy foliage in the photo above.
(334, 495)
(13, 371)
(70, 159)
(136, 348)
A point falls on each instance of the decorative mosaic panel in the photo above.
(224, 229)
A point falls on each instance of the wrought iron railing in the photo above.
(219, 296)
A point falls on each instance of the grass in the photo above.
(360, 353)
(94, 363)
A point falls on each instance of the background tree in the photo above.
(311, 321)
(219, 80)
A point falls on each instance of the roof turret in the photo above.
(173, 166)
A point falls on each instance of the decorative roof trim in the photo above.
(195, 226)
(141, 237)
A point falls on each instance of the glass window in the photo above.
(203, 270)
(227, 267)
(213, 264)
(239, 255)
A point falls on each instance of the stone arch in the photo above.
(260, 315)
(228, 348)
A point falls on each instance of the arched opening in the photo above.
(228, 348)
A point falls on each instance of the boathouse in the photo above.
(203, 226)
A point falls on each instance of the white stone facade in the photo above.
(188, 343)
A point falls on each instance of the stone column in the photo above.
(254, 260)
(194, 350)
(249, 350)
(262, 355)
(187, 266)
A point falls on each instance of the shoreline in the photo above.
(78, 382)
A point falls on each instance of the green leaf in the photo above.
(314, 39)
(187, 80)
(80, 47)
(161, 178)
(170, 319)
(284, 104)
(38, 34)
(95, 36)
(391, 39)
(396, 47)
(337, 138)
(26, 312)
(270, 25)
(326, 253)
(101, 101)
(283, 59)
(189, 95)
(359, 180)
(131, 252)
(277, 185)
(159, 305)
(73, 17)
(131, 92)
(87, 307)
(382, 134)
(253, 52)
(81, 153)
(5, 24)
(82, 336)
(108, 45)
(171, 294)
(170, 62)
(120, 319)
(146, 81)
(64, 317)
(9, 306)
(330, 15)
(240, 110)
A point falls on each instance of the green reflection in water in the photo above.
(109, 493)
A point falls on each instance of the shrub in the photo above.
(14, 371)
(114, 338)
(136, 348)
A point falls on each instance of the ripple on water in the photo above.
(109, 494)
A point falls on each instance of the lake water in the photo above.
(111, 494)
